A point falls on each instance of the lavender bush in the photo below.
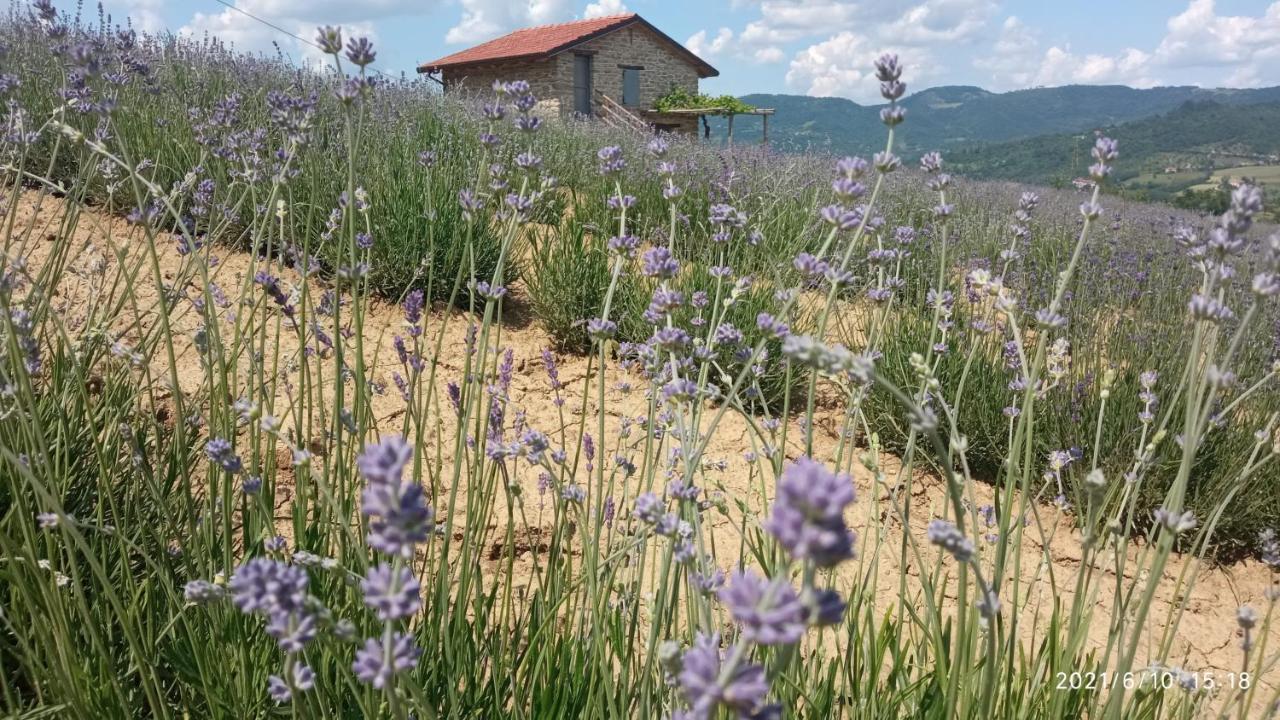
(229, 493)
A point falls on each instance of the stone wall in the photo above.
(478, 80)
(551, 80)
(634, 46)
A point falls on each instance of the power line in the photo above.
(279, 29)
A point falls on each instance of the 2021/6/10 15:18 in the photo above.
(1165, 678)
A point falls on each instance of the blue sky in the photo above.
(813, 47)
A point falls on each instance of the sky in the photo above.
(805, 47)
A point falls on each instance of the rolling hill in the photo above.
(947, 117)
(1160, 155)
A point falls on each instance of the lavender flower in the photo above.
(268, 587)
(220, 452)
(377, 662)
(329, 39)
(202, 592)
(808, 515)
(824, 607)
(278, 689)
(1269, 548)
(360, 52)
(1177, 523)
(769, 612)
(611, 162)
(743, 691)
(391, 592)
(947, 536)
(398, 510)
(659, 263)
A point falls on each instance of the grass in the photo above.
(215, 504)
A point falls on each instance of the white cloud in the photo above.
(142, 15)
(604, 8)
(699, 45)
(486, 19)
(1062, 67)
(769, 55)
(855, 34)
(842, 66)
(831, 67)
(725, 44)
(1013, 58)
(1199, 47)
(940, 21)
(1234, 50)
(301, 17)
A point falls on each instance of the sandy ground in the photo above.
(1207, 637)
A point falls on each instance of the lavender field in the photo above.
(323, 395)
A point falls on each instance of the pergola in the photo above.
(702, 113)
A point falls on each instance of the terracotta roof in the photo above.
(544, 41)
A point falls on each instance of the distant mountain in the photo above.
(1159, 155)
(942, 118)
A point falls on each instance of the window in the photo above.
(630, 86)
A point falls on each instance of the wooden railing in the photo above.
(614, 114)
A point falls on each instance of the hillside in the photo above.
(1163, 155)
(944, 117)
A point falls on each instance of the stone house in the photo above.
(614, 67)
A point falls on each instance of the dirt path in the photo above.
(1206, 639)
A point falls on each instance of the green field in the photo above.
(1261, 174)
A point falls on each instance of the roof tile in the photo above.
(529, 42)
(543, 41)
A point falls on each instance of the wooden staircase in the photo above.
(616, 115)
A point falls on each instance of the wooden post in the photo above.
(706, 126)
(730, 134)
(764, 138)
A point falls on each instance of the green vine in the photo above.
(679, 98)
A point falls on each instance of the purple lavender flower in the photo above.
(727, 215)
(329, 39)
(649, 508)
(377, 663)
(601, 329)
(743, 691)
(659, 263)
(391, 592)
(611, 162)
(292, 630)
(1177, 523)
(1269, 548)
(769, 612)
(269, 587)
(772, 326)
(947, 536)
(624, 245)
(679, 390)
(708, 583)
(278, 689)
(202, 592)
(220, 452)
(808, 515)
(399, 511)
(824, 607)
(360, 51)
